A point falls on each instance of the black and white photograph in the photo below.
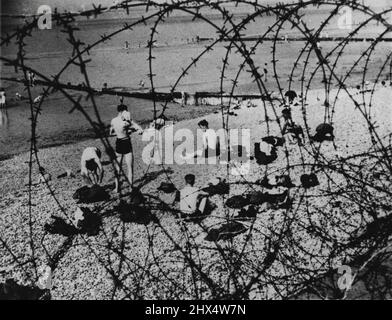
(218, 151)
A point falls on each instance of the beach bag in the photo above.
(226, 231)
(236, 202)
(91, 194)
(309, 180)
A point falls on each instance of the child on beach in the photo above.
(122, 126)
(192, 200)
(91, 166)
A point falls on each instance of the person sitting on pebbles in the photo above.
(192, 200)
(91, 166)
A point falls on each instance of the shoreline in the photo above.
(84, 133)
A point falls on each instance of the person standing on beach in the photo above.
(31, 78)
(2, 98)
(122, 126)
(265, 72)
(91, 166)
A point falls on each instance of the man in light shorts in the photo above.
(91, 166)
(122, 126)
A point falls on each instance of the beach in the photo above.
(284, 249)
(83, 271)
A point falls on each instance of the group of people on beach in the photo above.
(191, 198)
(121, 126)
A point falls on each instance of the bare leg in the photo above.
(118, 173)
(95, 178)
(86, 179)
(202, 204)
(129, 162)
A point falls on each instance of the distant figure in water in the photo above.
(2, 98)
(127, 45)
(122, 126)
(265, 72)
(91, 166)
(141, 84)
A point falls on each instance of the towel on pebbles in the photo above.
(226, 232)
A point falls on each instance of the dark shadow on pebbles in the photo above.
(151, 176)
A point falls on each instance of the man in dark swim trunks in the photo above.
(122, 126)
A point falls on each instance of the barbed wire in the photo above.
(275, 259)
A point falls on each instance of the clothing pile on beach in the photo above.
(135, 210)
(324, 132)
(257, 198)
(91, 194)
(84, 222)
(225, 232)
(219, 187)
